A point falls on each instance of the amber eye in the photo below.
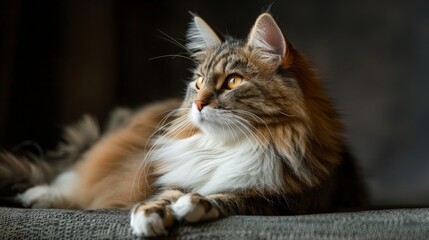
(200, 82)
(232, 81)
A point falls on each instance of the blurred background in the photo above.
(61, 59)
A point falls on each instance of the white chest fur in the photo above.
(208, 166)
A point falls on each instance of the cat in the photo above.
(255, 135)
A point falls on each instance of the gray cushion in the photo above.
(18, 223)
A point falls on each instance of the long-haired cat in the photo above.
(255, 134)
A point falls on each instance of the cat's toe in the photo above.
(147, 225)
(194, 208)
(149, 220)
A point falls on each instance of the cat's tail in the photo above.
(76, 139)
(18, 173)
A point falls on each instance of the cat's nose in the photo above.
(200, 104)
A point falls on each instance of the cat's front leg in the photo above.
(154, 217)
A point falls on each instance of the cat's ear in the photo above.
(267, 36)
(200, 35)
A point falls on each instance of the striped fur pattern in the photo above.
(255, 134)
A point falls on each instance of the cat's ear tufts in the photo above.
(267, 36)
(200, 35)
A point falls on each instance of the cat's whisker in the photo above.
(172, 56)
(249, 124)
(160, 127)
(243, 123)
(224, 131)
(257, 118)
(224, 122)
(244, 133)
(171, 131)
(249, 132)
(175, 42)
(264, 148)
(287, 115)
(233, 129)
(178, 124)
(230, 126)
(177, 132)
(236, 123)
(191, 133)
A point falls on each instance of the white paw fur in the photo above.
(147, 226)
(42, 196)
(49, 196)
(184, 209)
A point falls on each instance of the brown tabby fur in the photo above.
(290, 114)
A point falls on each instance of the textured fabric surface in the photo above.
(112, 224)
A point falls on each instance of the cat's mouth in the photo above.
(209, 119)
(219, 124)
(205, 116)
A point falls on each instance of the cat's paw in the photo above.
(155, 218)
(193, 207)
(149, 220)
(42, 196)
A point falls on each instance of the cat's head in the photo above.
(240, 85)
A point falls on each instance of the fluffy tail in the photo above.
(18, 173)
(77, 139)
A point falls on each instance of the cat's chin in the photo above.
(209, 121)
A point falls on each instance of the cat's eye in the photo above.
(232, 81)
(199, 83)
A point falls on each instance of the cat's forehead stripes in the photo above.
(224, 60)
(214, 58)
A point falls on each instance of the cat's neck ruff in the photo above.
(205, 165)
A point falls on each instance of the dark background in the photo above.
(60, 59)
